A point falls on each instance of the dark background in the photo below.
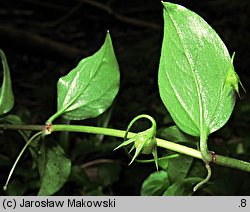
(44, 40)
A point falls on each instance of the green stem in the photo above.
(18, 158)
(158, 159)
(206, 155)
(209, 172)
(217, 159)
(232, 163)
(54, 116)
(22, 127)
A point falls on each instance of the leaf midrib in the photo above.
(194, 76)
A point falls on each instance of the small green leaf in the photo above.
(90, 88)
(6, 94)
(183, 187)
(55, 172)
(193, 69)
(155, 184)
(163, 164)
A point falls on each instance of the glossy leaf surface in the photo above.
(193, 71)
(90, 88)
(6, 94)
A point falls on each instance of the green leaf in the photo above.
(155, 184)
(179, 168)
(193, 73)
(183, 187)
(197, 169)
(55, 172)
(90, 88)
(163, 164)
(6, 94)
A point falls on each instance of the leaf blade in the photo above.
(6, 93)
(55, 170)
(155, 184)
(90, 88)
(192, 72)
(179, 168)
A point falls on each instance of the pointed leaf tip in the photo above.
(90, 88)
(193, 67)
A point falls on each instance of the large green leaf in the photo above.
(155, 184)
(196, 75)
(54, 168)
(6, 94)
(90, 88)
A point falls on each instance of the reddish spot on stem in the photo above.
(47, 128)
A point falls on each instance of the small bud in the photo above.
(144, 142)
(233, 79)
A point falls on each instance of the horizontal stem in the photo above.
(218, 159)
(121, 133)
(232, 163)
(22, 127)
